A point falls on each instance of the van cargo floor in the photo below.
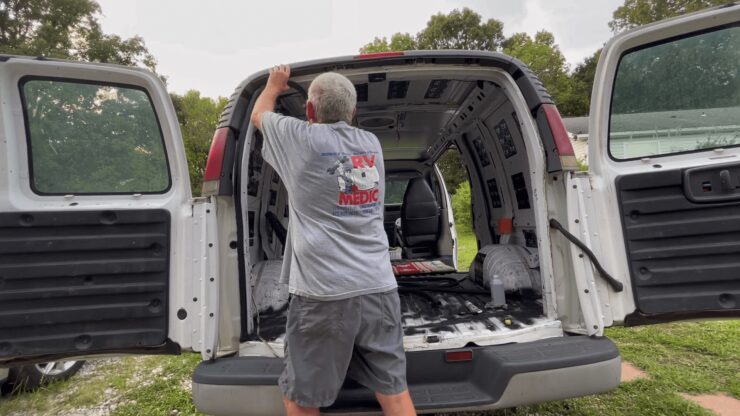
(434, 313)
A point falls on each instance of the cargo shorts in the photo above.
(360, 337)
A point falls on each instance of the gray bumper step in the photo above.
(433, 382)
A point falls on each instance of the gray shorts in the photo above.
(360, 337)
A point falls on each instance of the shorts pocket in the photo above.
(316, 317)
(391, 309)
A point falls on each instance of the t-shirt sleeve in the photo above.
(286, 142)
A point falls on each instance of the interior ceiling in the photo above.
(405, 114)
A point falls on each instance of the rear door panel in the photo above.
(95, 215)
(663, 169)
(683, 256)
(88, 280)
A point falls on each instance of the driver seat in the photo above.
(419, 219)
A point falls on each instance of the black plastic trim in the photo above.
(76, 283)
(169, 347)
(682, 255)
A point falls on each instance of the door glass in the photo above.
(679, 96)
(87, 138)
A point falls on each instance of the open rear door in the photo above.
(94, 213)
(664, 154)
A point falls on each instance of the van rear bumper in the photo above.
(497, 377)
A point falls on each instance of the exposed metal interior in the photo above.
(417, 114)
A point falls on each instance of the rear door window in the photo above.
(677, 97)
(92, 138)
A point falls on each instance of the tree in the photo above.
(543, 56)
(635, 13)
(457, 30)
(453, 172)
(198, 118)
(66, 29)
(399, 42)
(461, 30)
(578, 102)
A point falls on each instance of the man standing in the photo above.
(344, 316)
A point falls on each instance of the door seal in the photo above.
(614, 283)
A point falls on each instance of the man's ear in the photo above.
(310, 112)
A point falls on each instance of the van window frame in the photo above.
(27, 128)
(614, 83)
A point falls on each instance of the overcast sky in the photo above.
(212, 45)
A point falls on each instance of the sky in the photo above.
(213, 45)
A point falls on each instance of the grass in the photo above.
(468, 248)
(689, 357)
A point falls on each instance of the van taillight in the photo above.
(215, 162)
(459, 355)
(375, 55)
(560, 137)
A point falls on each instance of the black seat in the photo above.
(419, 220)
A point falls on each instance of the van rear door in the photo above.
(664, 155)
(95, 213)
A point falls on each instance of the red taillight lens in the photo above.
(375, 55)
(215, 162)
(560, 137)
(459, 355)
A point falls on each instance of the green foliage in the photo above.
(398, 42)
(461, 208)
(67, 29)
(578, 102)
(635, 13)
(198, 118)
(88, 138)
(461, 30)
(543, 56)
(467, 247)
(453, 171)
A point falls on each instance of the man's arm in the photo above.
(277, 83)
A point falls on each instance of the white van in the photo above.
(104, 251)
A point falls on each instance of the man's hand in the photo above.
(279, 78)
(277, 83)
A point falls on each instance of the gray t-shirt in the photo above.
(336, 246)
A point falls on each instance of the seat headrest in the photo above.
(417, 191)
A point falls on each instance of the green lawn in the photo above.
(680, 358)
(468, 247)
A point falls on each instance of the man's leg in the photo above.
(318, 347)
(293, 409)
(379, 361)
(396, 404)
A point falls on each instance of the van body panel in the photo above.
(92, 257)
(672, 224)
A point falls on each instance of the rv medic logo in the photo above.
(357, 178)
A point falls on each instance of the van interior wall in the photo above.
(496, 158)
(485, 129)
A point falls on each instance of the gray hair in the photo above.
(334, 98)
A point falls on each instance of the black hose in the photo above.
(427, 281)
(614, 283)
